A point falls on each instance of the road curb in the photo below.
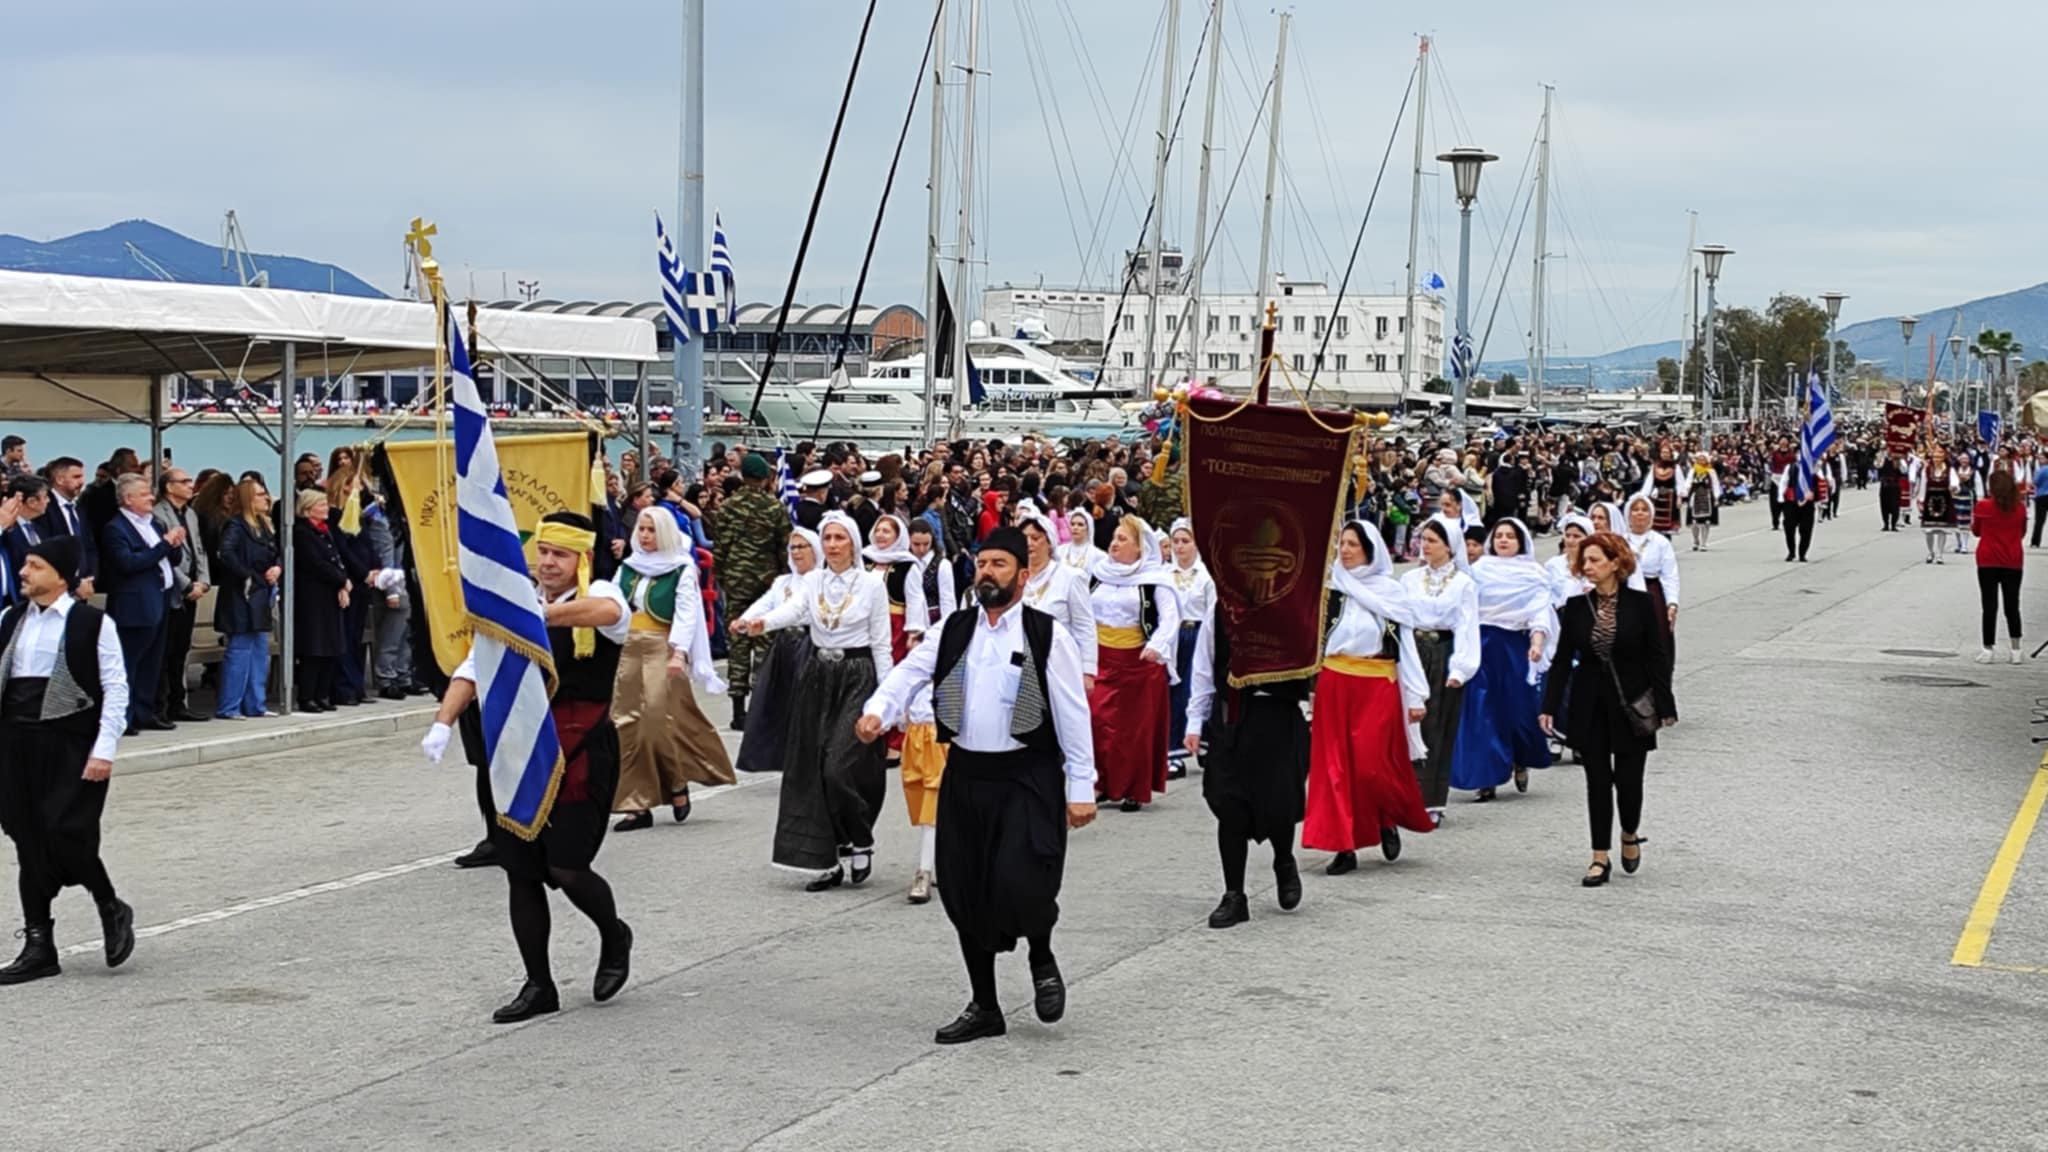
(231, 740)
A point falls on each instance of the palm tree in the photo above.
(2000, 347)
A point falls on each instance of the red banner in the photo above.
(1264, 488)
(1901, 428)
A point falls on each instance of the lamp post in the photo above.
(1834, 302)
(1465, 166)
(1712, 254)
(1905, 356)
(1791, 386)
(1955, 363)
(1756, 385)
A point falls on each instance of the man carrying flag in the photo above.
(541, 670)
(1801, 494)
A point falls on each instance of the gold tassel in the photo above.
(597, 486)
(583, 640)
(1159, 462)
(352, 508)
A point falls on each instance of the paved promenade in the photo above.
(1781, 974)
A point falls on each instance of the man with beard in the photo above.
(1007, 696)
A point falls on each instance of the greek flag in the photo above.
(672, 282)
(515, 668)
(1432, 283)
(785, 484)
(721, 267)
(1815, 438)
(1461, 357)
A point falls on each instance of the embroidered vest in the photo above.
(74, 685)
(1031, 717)
(661, 596)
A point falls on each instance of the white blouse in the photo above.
(1118, 606)
(1197, 591)
(1358, 633)
(1565, 584)
(1453, 608)
(689, 608)
(1655, 560)
(773, 598)
(845, 610)
(1060, 592)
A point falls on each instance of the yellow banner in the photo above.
(543, 474)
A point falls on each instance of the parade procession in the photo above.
(1215, 612)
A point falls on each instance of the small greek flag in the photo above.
(672, 283)
(785, 484)
(1816, 436)
(721, 267)
(1461, 357)
(1433, 283)
(515, 667)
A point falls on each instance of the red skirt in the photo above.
(1360, 779)
(1131, 720)
(899, 647)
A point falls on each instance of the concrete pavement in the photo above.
(1777, 976)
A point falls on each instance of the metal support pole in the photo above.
(965, 238)
(640, 410)
(935, 191)
(1261, 289)
(281, 511)
(1168, 64)
(1459, 370)
(157, 384)
(1415, 219)
(1710, 380)
(686, 424)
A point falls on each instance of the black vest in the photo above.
(80, 652)
(954, 637)
(894, 577)
(592, 678)
(1148, 606)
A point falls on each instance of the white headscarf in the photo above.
(1372, 584)
(800, 534)
(895, 553)
(1030, 513)
(1182, 524)
(1149, 568)
(1456, 532)
(1515, 592)
(670, 551)
(846, 522)
(1564, 583)
(1635, 538)
(1080, 551)
(1617, 519)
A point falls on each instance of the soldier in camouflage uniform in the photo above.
(750, 542)
(1159, 501)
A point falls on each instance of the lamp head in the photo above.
(1465, 165)
(1906, 326)
(1713, 254)
(1834, 302)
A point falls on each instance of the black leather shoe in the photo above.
(1130, 806)
(1048, 994)
(389, 693)
(635, 822)
(1289, 890)
(1341, 863)
(1390, 844)
(863, 865)
(131, 730)
(533, 1000)
(973, 1023)
(188, 716)
(484, 855)
(155, 725)
(614, 963)
(739, 712)
(1596, 874)
(828, 881)
(38, 957)
(681, 811)
(1629, 864)
(1233, 909)
(117, 925)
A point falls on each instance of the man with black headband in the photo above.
(1007, 696)
(63, 705)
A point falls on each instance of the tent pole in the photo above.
(281, 513)
(157, 384)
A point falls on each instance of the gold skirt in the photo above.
(665, 740)
(924, 762)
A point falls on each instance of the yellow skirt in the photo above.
(924, 762)
(665, 741)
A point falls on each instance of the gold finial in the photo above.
(1272, 312)
(418, 238)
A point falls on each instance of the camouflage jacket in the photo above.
(1159, 504)
(750, 534)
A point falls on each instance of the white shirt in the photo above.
(1453, 609)
(67, 511)
(1565, 584)
(1061, 593)
(1655, 560)
(1358, 633)
(774, 597)
(1197, 590)
(39, 644)
(683, 628)
(990, 694)
(146, 528)
(1118, 606)
(917, 615)
(844, 610)
(615, 632)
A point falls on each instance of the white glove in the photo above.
(435, 743)
(391, 580)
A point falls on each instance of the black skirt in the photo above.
(44, 796)
(1002, 849)
(575, 829)
(773, 701)
(1256, 770)
(832, 784)
(1440, 718)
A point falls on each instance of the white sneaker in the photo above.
(2013, 656)
(1986, 656)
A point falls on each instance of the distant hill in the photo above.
(105, 253)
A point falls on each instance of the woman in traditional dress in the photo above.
(1702, 495)
(1197, 592)
(1362, 788)
(665, 741)
(928, 598)
(832, 784)
(1057, 590)
(1565, 583)
(1656, 560)
(1934, 490)
(888, 555)
(1607, 517)
(773, 700)
(1965, 502)
(1079, 553)
(1443, 602)
(1137, 628)
(1498, 738)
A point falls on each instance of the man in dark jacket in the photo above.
(136, 562)
(64, 517)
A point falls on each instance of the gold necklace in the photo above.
(1034, 591)
(1434, 586)
(830, 614)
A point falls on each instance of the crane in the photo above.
(235, 255)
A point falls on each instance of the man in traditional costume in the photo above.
(587, 622)
(1007, 696)
(63, 706)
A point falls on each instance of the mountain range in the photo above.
(106, 253)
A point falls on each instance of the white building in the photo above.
(1362, 362)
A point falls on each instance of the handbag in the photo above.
(1641, 711)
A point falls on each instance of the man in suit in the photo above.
(64, 517)
(100, 500)
(30, 495)
(190, 578)
(135, 563)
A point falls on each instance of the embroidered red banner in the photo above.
(1901, 428)
(1264, 488)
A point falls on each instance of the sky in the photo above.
(1872, 147)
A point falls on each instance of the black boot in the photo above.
(38, 957)
(1234, 909)
(1288, 889)
(739, 711)
(533, 1000)
(117, 925)
(614, 962)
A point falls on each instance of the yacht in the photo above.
(1026, 389)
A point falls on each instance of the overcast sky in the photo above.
(1824, 141)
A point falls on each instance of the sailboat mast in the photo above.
(1415, 216)
(1194, 317)
(1539, 338)
(1692, 308)
(1153, 245)
(1272, 169)
(965, 239)
(936, 189)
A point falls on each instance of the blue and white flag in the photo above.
(1461, 357)
(1987, 427)
(515, 668)
(1816, 436)
(785, 484)
(721, 267)
(701, 305)
(672, 282)
(1432, 283)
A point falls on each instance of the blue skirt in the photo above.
(1497, 731)
(1184, 663)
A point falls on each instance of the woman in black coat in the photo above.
(247, 573)
(358, 560)
(1617, 652)
(319, 599)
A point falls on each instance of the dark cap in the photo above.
(754, 467)
(1011, 540)
(61, 553)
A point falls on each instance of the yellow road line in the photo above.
(1984, 913)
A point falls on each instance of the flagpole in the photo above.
(686, 419)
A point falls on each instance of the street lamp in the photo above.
(1756, 385)
(1791, 386)
(1834, 302)
(1710, 383)
(1905, 356)
(1465, 165)
(1955, 360)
